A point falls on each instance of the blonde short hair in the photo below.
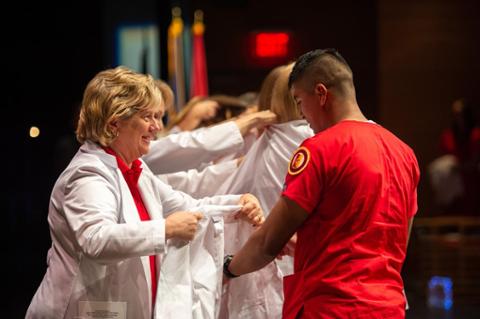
(112, 94)
(266, 89)
(283, 103)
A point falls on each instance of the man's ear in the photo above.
(321, 91)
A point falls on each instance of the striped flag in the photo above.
(175, 58)
(199, 76)
(187, 57)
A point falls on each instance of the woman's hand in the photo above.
(251, 211)
(201, 111)
(255, 120)
(182, 225)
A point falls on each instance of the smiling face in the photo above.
(136, 132)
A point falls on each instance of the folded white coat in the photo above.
(191, 272)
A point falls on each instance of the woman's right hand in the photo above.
(257, 120)
(182, 225)
(201, 111)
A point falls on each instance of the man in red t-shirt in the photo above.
(349, 195)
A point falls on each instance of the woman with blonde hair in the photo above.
(110, 218)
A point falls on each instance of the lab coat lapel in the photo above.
(130, 215)
(151, 204)
(129, 209)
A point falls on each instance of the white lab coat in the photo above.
(100, 248)
(248, 141)
(200, 183)
(192, 149)
(259, 294)
(191, 277)
(264, 168)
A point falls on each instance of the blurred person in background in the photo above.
(455, 174)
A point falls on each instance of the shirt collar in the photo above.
(131, 174)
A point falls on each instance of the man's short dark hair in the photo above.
(322, 65)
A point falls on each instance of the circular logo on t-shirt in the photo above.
(299, 161)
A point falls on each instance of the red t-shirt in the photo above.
(358, 182)
(131, 176)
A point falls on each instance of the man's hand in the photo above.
(182, 225)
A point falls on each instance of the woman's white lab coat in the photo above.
(98, 264)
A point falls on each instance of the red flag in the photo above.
(199, 77)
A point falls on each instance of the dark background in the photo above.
(410, 59)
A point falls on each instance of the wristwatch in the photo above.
(226, 262)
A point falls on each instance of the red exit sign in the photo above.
(271, 44)
(270, 48)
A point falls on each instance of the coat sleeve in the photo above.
(188, 150)
(92, 208)
(173, 200)
(203, 183)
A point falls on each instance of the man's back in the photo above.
(358, 183)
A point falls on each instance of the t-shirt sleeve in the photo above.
(303, 182)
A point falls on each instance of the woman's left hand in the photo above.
(251, 211)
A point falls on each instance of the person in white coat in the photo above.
(109, 216)
(194, 171)
(259, 295)
(198, 148)
(184, 148)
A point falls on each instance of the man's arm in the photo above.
(267, 241)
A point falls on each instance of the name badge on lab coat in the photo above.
(102, 309)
